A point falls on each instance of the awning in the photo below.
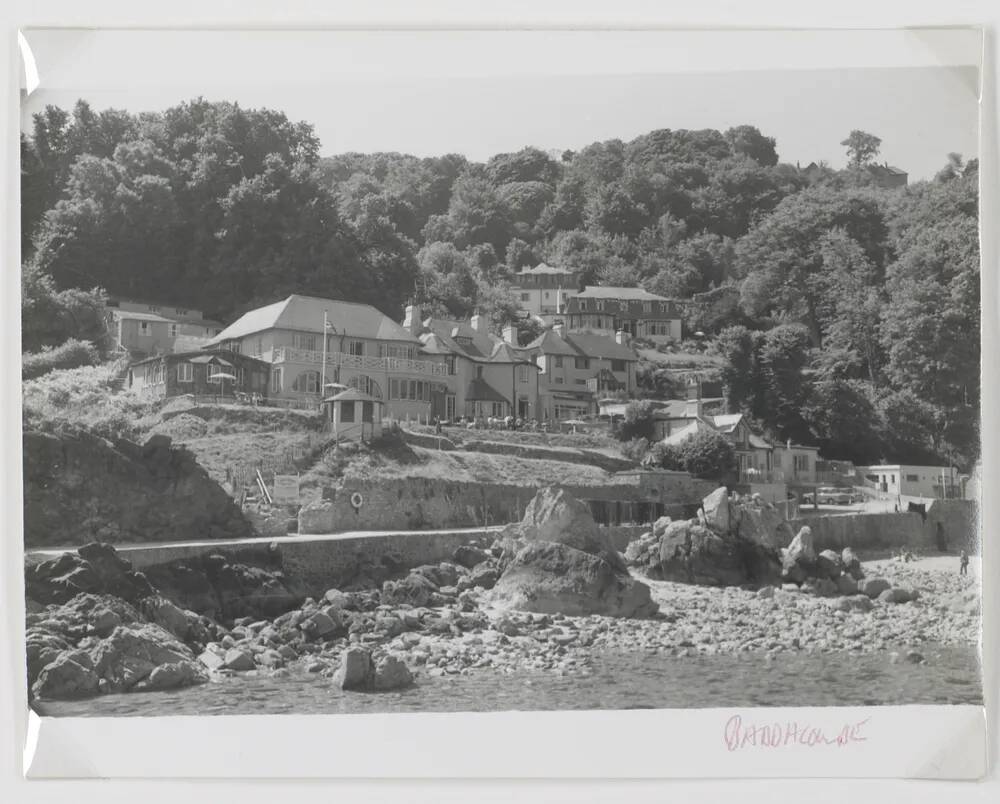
(352, 395)
(209, 359)
(481, 391)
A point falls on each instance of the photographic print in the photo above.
(359, 385)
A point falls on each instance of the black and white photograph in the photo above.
(353, 386)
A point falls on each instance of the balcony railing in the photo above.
(761, 476)
(397, 365)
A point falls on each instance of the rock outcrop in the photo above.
(566, 566)
(82, 488)
(731, 543)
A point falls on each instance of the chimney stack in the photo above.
(510, 333)
(557, 328)
(476, 322)
(412, 321)
(621, 337)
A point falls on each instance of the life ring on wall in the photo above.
(357, 500)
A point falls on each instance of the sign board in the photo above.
(286, 488)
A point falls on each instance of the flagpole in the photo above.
(322, 383)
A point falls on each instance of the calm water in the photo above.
(951, 675)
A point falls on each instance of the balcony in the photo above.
(761, 476)
(391, 365)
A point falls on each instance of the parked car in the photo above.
(833, 496)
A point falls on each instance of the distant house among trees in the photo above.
(887, 176)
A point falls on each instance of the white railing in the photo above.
(401, 365)
(761, 476)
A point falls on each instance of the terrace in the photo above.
(397, 365)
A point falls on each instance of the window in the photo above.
(647, 307)
(367, 411)
(173, 330)
(580, 382)
(527, 296)
(180, 311)
(144, 327)
(185, 372)
(235, 346)
(600, 305)
(153, 308)
(347, 411)
(213, 372)
(582, 362)
(258, 346)
(800, 463)
(240, 376)
(893, 479)
(583, 304)
(618, 365)
(302, 341)
(498, 409)
(276, 380)
(559, 380)
(522, 373)
(366, 385)
(450, 362)
(307, 382)
(559, 361)
(546, 295)
(356, 348)
(479, 372)
(912, 478)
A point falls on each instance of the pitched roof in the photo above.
(481, 391)
(611, 292)
(352, 395)
(459, 338)
(305, 313)
(142, 316)
(591, 344)
(188, 343)
(727, 422)
(582, 344)
(686, 432)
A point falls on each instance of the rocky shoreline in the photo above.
(95, 626)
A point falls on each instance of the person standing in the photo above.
(963, 563)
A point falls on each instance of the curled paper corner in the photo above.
(34, 726)
(31, 80)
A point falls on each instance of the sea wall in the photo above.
(880, 531)
(416, 503)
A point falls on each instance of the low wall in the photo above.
(416, 503)
(958, 519)
(608, 463)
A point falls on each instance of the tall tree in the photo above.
(862, 147)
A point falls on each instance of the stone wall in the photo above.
(416, 503)
(609, 463)
(883, 531)
(81, 488)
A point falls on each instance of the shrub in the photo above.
(667, 456)
(81, 399)
(636, 449)
(707, 454)
(638, 422)
(71, 354)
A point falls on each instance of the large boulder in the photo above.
(94, 568)
(828, 565)
(692, 553)
(391, 673)
(718, 514)
(566, 565)
(873, 587)
(354, 670)
(553, 578)
(69, 675)
(851, 564)
(762, 523)
(131, 653)
(554, 515)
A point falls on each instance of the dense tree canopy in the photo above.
(842, 313)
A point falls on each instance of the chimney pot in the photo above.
(510, 334)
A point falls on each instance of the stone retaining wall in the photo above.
(416, 503)
(883, 531)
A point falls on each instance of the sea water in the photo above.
(948, 675)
